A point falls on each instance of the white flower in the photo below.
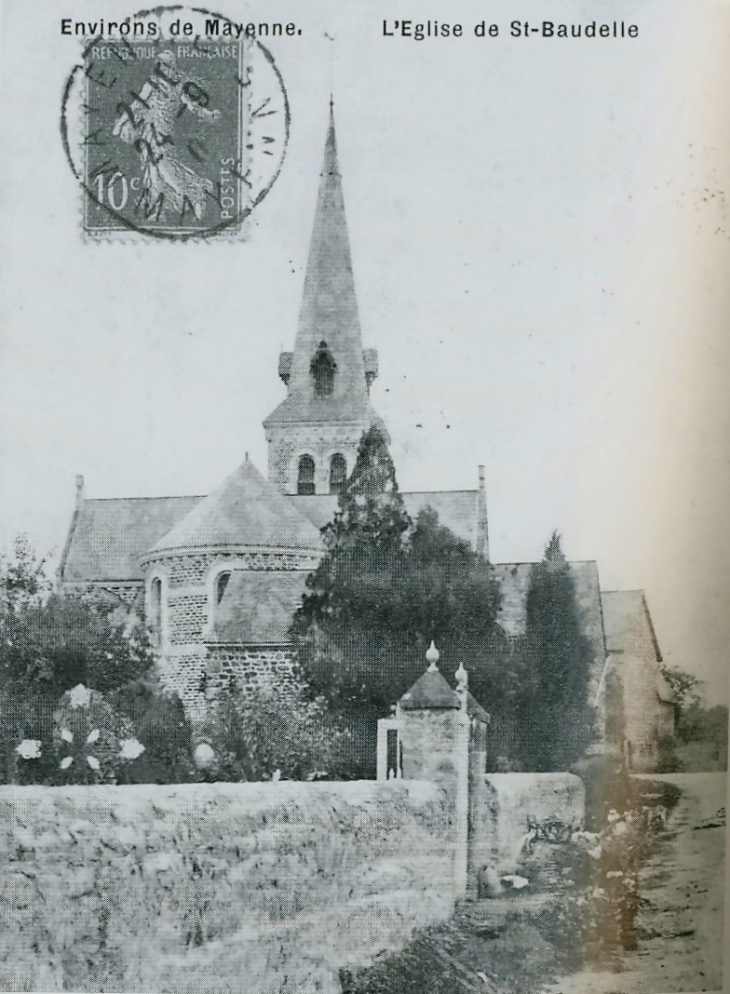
(29, 749)
(131, 749)
(613, 816)
(93, 762)
(203, 755)
(93, 736)
(66, 735)
(614, 873)
(80, 696)
(65, 763)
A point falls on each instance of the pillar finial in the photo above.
(432, 655)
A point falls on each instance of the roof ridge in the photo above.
(534, 562)
(98, 500)
(631, 590)
(469, 491)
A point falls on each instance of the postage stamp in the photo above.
(165, 133)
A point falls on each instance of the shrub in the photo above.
(263, 735)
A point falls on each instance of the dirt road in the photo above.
(681, 931)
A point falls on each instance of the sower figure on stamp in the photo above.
(148, 123)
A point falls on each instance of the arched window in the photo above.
(323, 370)
(338, 473)
(221, 582)
(155, 612)
(305, 479)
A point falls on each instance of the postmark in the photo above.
(173, 137)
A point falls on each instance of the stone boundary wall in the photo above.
(240, 888)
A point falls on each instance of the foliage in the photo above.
(49, 644)
(87, 737)
(703, 734)
(161, 725)
(706, 729)
(685, 688)
(89, 743)
(384, 589)
(264, 734)
(23, 579)
(52, 646)
(552, 715)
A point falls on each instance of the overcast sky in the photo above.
(540, 241)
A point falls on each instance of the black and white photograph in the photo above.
(364, 474)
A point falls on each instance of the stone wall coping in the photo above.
(264, 793)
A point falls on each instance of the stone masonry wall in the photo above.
(262, 887)
(252, 669)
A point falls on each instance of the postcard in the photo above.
(364, 548)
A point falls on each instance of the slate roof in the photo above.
(108, 536)
(457, 509)
(328, 314)
(430, 691)
(244, 510)
(258, 605)
(628, 625)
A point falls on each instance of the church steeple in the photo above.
(327, 375)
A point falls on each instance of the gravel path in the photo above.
(680, 948)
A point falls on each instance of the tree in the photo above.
(385, 587)
(685, 688)
(50, 644)
(23, 579)
(552, 711)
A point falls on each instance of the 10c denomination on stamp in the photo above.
(166, 136)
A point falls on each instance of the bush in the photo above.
(263, 735)
(160, 724)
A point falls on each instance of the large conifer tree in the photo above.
(554, 718)
(384, 589)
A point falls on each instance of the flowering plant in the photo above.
(91, 739)
(29, 749)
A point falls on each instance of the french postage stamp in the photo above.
(169, 136)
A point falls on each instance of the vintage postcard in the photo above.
(364, 562)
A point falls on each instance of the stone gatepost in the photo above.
(440, 734)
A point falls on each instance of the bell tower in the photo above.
(313, 435)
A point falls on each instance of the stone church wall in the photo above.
(252, 669)
(216, 887)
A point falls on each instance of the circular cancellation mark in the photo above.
(173, 137)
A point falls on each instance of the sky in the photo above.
(539, 235)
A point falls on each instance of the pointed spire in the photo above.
(329, 325)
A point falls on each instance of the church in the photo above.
(218, 577)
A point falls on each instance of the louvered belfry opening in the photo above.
(323, 370)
